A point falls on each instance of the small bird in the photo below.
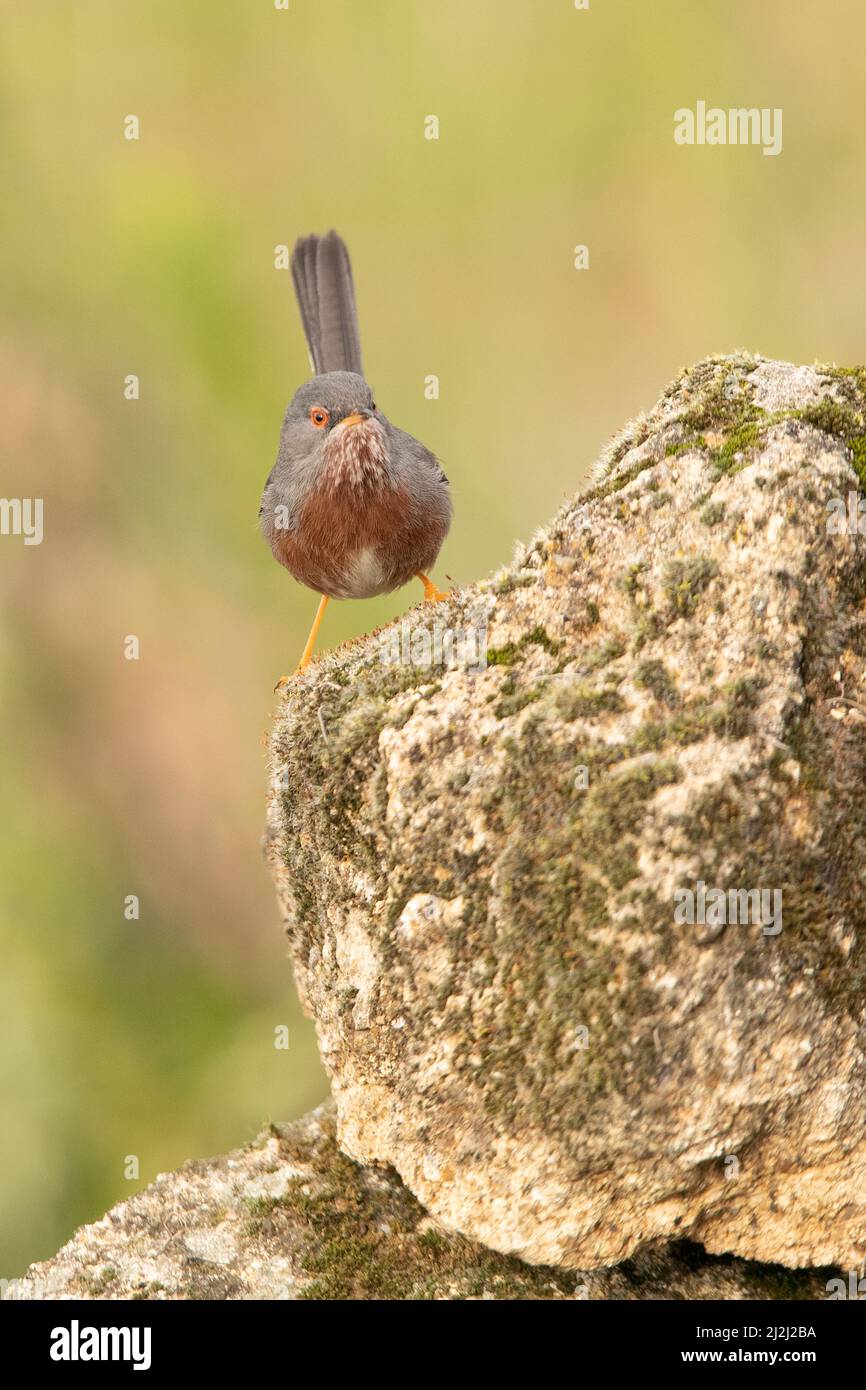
(353, 506)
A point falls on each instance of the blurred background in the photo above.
(155, 1037)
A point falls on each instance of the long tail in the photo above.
(322, 273)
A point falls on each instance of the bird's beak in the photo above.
(356, 419)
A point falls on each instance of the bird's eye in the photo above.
(319, 417)
(374, 406)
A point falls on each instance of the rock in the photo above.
(289, 1217)
(484, 871)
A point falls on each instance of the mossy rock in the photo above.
(480, 869)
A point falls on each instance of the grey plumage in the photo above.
(322, 275)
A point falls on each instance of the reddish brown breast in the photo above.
(355, 545)
(358, 533)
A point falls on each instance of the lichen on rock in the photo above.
(479, 868)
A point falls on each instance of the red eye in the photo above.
(319, 417)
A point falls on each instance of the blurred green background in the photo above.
(155, 1037)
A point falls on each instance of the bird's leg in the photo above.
(431, 593)
(314, 632)
(311, 642)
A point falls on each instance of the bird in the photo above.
(353, 506)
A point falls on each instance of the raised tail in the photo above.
(322, 273)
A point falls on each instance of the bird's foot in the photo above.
(431, 593)
(287, 680)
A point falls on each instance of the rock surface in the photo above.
(289, 1217)
(480, 868)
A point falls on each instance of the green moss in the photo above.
(723, 404)
(630, 438)
(713, 513)
(514, 651)
(684, 581)
(148, 1291)
(719, 400)
(857, 445)
(655, 677)
(565, 853)
(503, 656)
(99, 1283)
(260, 1210)
(630, 582)
(846, 420)
(722, 399)
(513, 701)
(832, 417)
(614, 811)
(322, 777)
(726, 713)
(853, 377)
(582, 701)
(611, 649)
(507, 583)
(511, 698)
(538, 637)
(616, 483)
(695, 444)
(647, 626)
(361, 1241)
(747, 435)
(649, 737)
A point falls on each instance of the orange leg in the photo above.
(311, 642)
(431, 593)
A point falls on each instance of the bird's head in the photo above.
(333, 421)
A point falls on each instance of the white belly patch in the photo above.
(364, 575)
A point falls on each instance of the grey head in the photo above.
(320, 416)
(321, 406)
(333, 431)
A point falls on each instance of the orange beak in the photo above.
(355, 419)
